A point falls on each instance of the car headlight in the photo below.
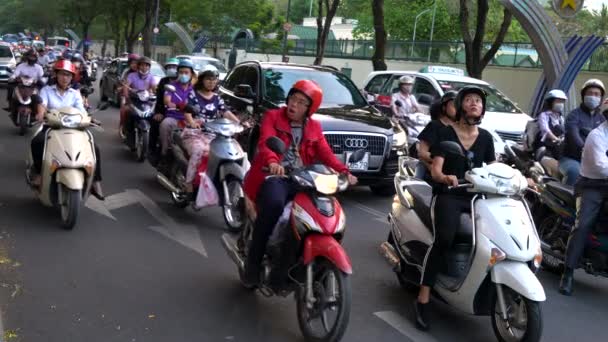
(399, 139)
(71, 121)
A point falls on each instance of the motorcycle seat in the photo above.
(422, 195)
(563, 192)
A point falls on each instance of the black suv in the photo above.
(349, 122)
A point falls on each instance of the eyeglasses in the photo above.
(298, 102)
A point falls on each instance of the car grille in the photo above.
(517, 137)
(4, 67)
(376, 144)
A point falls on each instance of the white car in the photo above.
(200, 62)
(502, 115)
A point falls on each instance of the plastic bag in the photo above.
(207, 194)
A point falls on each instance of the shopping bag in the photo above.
(207, 194)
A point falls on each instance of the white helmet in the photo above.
(593, 83)
(406, 80)
(556, 94)
(209, 70)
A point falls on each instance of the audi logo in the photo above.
(356, 143)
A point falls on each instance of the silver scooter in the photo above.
(490, 268)
(227, 165)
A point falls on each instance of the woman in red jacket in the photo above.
(306, 145)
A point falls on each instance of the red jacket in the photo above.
(313, 148)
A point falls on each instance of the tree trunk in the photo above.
(323, 32)
(379, 35)
(473, 46)
(85, 35)
(104, 46)
(147, 29)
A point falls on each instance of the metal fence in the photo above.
(518, 55)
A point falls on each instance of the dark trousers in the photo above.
(588, 209)
(448, 208)
(37, 146)
(274, 194)
(154, 131)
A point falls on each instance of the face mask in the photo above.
(172, 72)
(592, 102)
(144, 73)
(184, 78)
(558, 107)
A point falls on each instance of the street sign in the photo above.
(287, 27)
(156, 30)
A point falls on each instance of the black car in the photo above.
(349, 122)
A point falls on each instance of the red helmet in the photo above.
(66, 65)
(132, 57)
(312, 90)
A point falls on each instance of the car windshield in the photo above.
(495, 101)
(5, 52)
(199, 64)
(338, 90)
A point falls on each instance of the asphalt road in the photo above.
(138, 269)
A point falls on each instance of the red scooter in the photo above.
(304, 253)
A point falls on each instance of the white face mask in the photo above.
(558, 107)
(592, 102)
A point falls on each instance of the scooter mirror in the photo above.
(276, 145)
(170, 88)
(357, 156)
(451, 147)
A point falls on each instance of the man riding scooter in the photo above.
(591, 192)
(408, 102)
(30, 69)
(160, 109)
(306, 144)
(136, 82)
(584, 118)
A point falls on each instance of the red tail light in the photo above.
(383, 100)
(67, 44)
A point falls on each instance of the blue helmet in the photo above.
(186, 63)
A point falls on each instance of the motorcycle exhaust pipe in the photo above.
(231, 249)
(390, 255)
(166, 183)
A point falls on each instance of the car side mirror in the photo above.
(425, 99)
(276, 145)
(451, 147)
(244, 91)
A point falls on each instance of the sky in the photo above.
(595, 4)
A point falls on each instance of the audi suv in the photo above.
(349, 122)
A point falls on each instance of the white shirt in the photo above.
(32, 71)
(594, 162)
(52, 99)
(44, 60)
(409, 105)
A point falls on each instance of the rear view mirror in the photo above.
(276, 145)
(244, 91)
(170, 88)
(451, 147)
(425, 99)
(356, 156)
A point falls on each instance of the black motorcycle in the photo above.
(22, 116)
(141, 110)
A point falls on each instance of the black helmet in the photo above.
(448, 96)
(460, 98)
(77, 57)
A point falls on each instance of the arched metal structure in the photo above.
(182, 34)
(561, 62)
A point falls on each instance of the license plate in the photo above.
(358, 166)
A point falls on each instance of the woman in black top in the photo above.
(446, 170)
(443, 114)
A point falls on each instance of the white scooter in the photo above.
(68, 163)
(490, 268)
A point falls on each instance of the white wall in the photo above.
(517, 83)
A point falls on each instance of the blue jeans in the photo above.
(570, 169)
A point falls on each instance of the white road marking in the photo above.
(186, 235)
(404, 326)
(378, 215)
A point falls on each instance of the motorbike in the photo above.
(93, 70)
(490, 268)
(68, 163)
(22, 116)
(304, 254)
(412, 124)
(141, 110)
(226, 167)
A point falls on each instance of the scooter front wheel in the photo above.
(23, 125)
(234, 214)
(326, 318)
(141, 146)
(69, 202)
(524, 319)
